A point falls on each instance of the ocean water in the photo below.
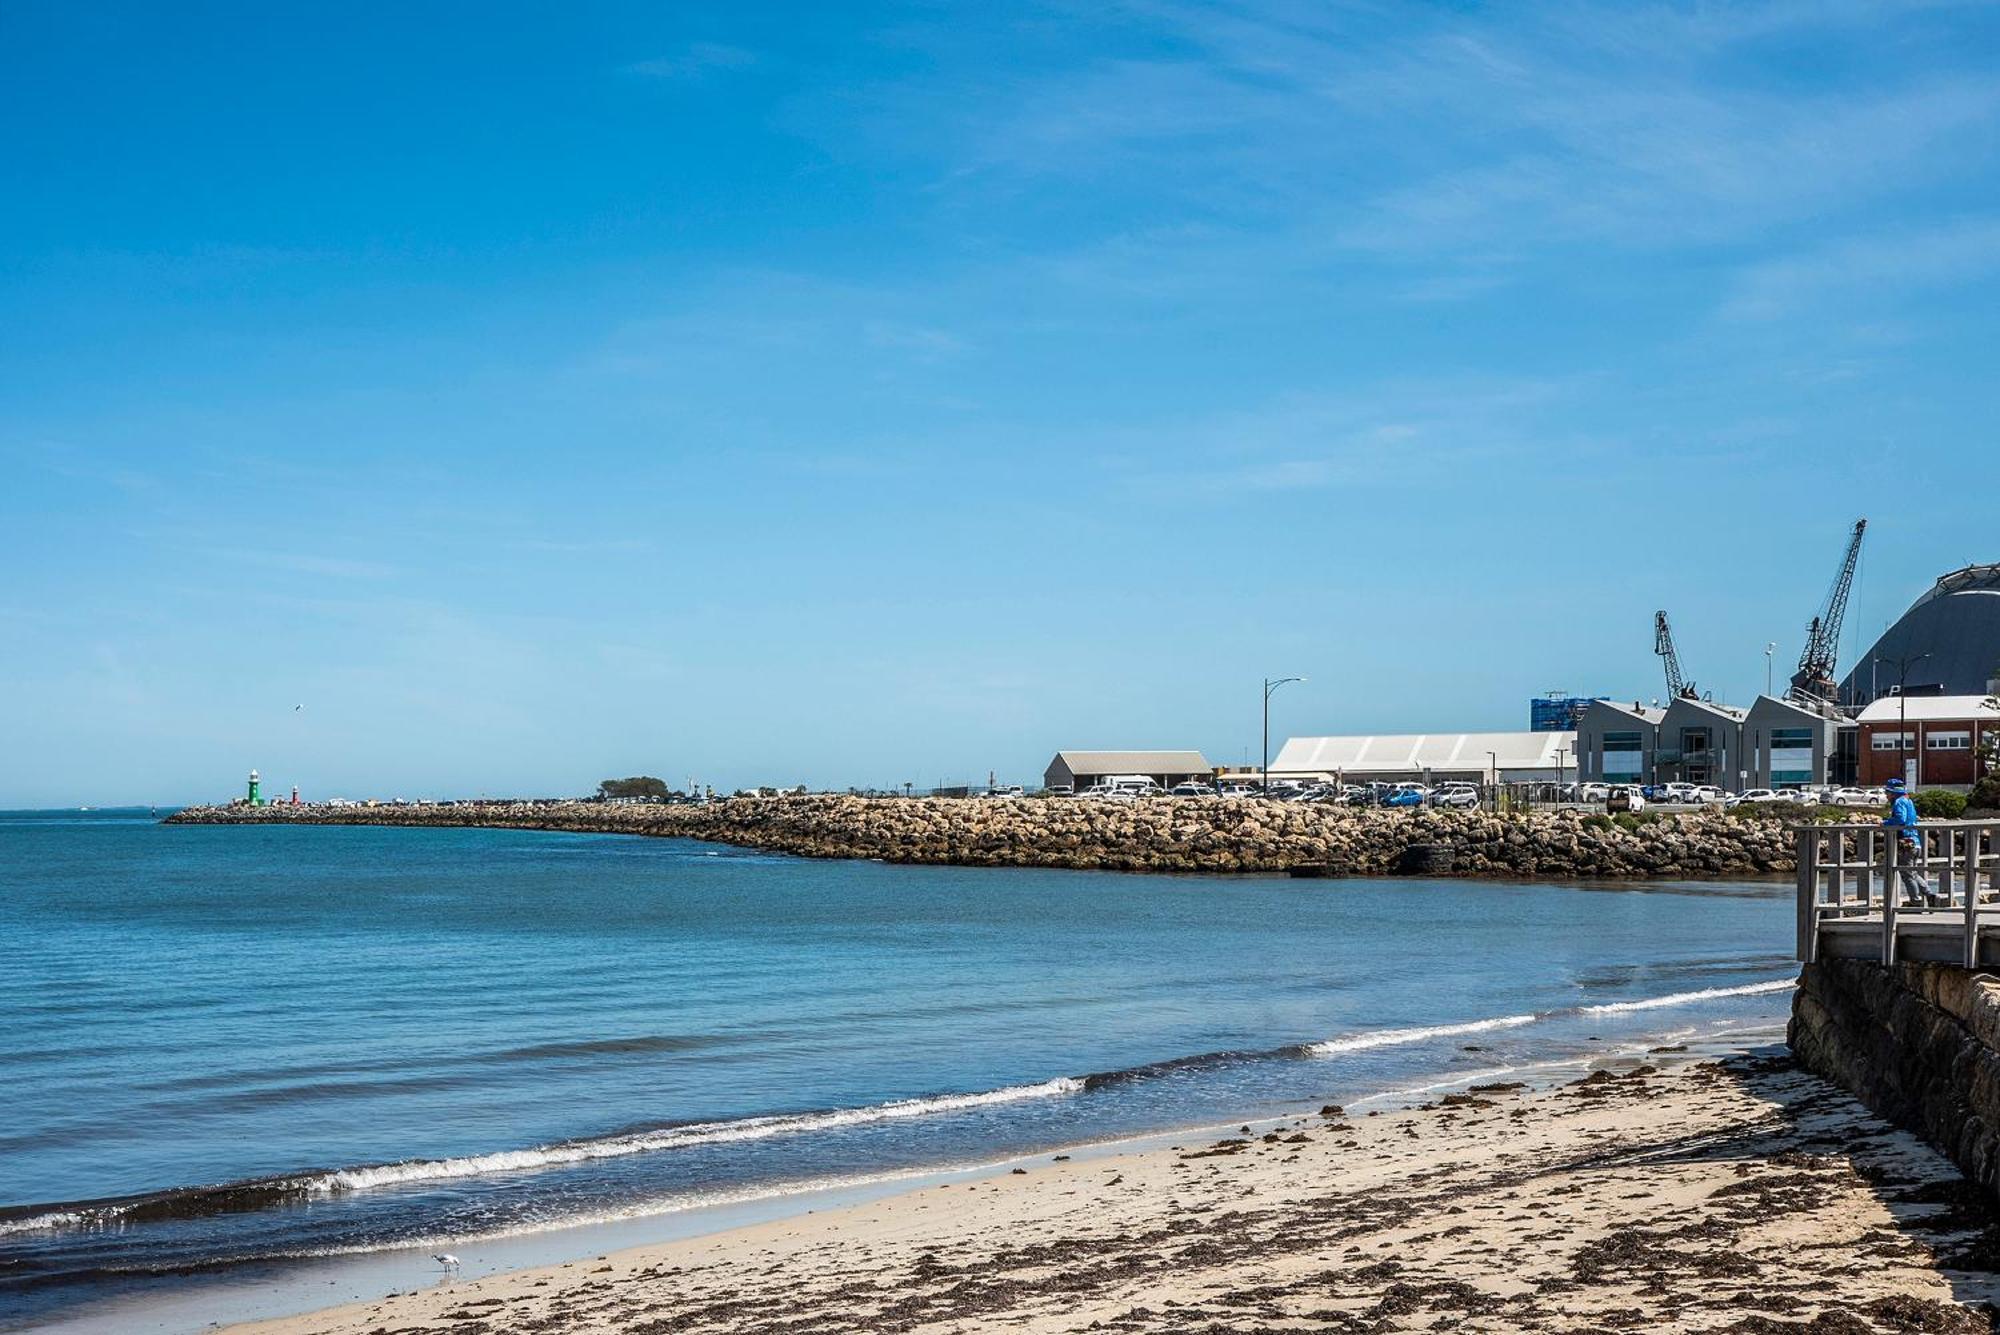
(226, 1049)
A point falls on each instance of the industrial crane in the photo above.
(1814, 683)
(1663, 645)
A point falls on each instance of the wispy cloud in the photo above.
(1883, 266)
(697, 60)
(1413, 136)
(302, 563)
(1410, 432)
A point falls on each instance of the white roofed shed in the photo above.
(1519, 757)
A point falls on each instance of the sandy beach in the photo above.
(1669, 1194)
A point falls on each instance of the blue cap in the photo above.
(1896, 786)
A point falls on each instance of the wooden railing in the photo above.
(1851, 886)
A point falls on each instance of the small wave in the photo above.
(202, 1201)
(1684, 998)
(1385, 1038)
(699, 1133)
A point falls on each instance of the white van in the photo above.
(1138, 785)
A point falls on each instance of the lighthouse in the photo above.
(256, 798)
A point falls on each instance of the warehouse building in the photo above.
(1515, 757)
(1932, 741)
(1616, 742)
(1786, 745)
(1079, 769)
(1700, 742)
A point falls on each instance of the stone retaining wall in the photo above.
(1154, 835)
(1917, 1043)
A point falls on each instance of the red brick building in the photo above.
(1939, 734)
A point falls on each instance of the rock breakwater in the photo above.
(1153, 835)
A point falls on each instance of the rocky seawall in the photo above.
(1154, 835)
(1918, 1043)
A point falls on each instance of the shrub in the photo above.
(1938, 804)
(1597, 820)
(1986, 794)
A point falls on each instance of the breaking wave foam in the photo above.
(1385, 1038)
(666, 1138)
(272, 1191)
(1683, 998)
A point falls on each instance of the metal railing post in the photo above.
(1891, 896)
(1808, 924)
(1970, 863)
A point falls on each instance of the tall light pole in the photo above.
(1493, 788)
(1769, 649)
(1903, 666)
(1270, 686)
(1562, 754)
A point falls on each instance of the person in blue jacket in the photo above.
(1903, 819)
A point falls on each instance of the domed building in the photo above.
(1950, 639)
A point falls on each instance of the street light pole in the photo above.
(1769, 649)
(1903, 666)
(1270, 686)
(1493, 786)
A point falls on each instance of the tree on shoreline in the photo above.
(643, 785)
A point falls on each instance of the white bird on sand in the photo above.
(445, 1259)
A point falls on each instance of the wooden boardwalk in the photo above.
(1853, 904)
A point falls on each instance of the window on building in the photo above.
(1792, 755)
(1889, 741)
(1694, 740)
(1948, 741)
(1623, 741)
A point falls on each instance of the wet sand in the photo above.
(1741, 1196)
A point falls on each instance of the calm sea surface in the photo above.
(229, 1047)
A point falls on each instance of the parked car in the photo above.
(1191, 789)
(1625, 798)
(1412, 796)
(1060, 790)
(1138, 785)
(1592, 792)
(1456, 796)
(1707, 792)
(1238, 790)
(1754, 795)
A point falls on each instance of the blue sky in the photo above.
(854, 394)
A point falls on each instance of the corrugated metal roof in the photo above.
(1134, 762)
(1928, 709)
(1729, 712)
(1649, 713)
(1421, 751)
